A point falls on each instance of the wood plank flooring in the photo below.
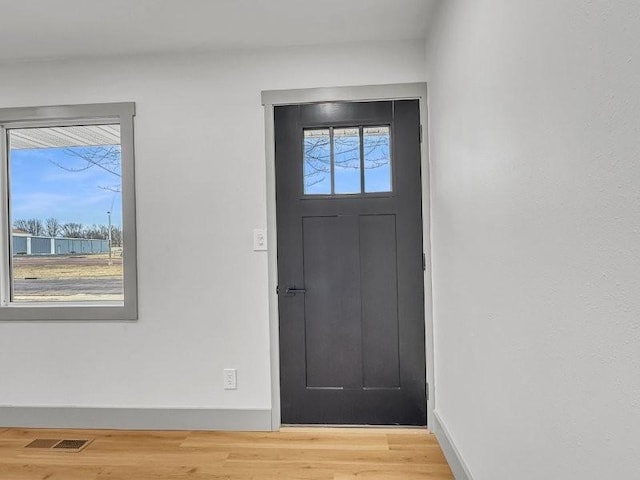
(291, 454)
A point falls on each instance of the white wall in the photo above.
(535, 152)
(200, 167)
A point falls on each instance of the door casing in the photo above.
(271, 98)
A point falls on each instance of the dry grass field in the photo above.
(66, 266)
(66, 278)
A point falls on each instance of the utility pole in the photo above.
(109, 215)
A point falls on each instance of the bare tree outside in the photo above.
(52, 227)
(317, 157)
(108, 159)
(72, 230)
(105, 157)
(32, 226)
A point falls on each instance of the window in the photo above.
(68, 204)
(347, 160)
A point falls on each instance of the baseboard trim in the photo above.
(136, 418)
(451, 452)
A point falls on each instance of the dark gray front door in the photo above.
(350, 265)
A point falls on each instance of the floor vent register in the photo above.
(67, 445)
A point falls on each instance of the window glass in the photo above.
(65, 205)
(347, 160)
(346, 152)
(317, 162)
(377, 159)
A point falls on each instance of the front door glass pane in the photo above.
(317, 162)
(346, 147)
(377, 159)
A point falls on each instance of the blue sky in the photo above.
(42, 189)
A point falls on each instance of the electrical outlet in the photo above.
(230, 379)
(259, 239)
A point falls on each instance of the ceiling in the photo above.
(42, 29)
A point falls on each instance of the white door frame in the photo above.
(400, 91)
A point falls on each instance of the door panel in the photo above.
(332, 278)
(352, 336)
(378, 273)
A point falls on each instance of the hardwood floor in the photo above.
(292, 453)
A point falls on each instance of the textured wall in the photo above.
(535, 151)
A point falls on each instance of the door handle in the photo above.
(293, 290)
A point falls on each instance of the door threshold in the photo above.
(330, 425)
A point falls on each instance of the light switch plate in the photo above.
(259, 239)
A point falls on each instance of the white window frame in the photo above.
(68, 115)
